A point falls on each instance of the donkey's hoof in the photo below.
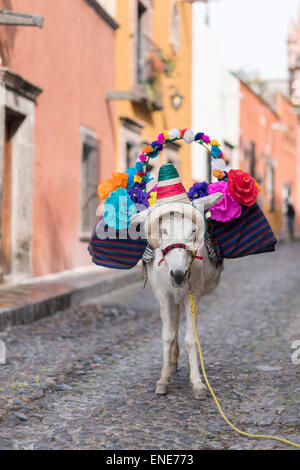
(162, 389)
(200, 392)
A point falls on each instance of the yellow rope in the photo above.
(243, 433)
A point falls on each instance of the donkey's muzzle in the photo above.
(178, 277)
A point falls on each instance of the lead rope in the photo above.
(243, 433)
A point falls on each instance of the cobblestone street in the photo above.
(85, 378)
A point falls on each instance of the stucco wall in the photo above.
(72, 60)
(157, 121)
(215, 94)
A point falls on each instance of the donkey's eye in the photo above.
(164, 231)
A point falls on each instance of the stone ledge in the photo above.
(13, 18)
(18, 84)
(25, 303)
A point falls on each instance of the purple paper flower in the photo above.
(198, 190)
(138, 196)
(227, 208)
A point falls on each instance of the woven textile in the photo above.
(118, 253)
(250, 234)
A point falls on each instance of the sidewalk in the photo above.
(29, 301)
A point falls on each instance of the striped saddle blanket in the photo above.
(113, 248)
(250, 234)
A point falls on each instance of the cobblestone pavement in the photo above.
(85, 378)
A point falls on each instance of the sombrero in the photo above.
(173, 199)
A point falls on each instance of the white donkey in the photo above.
(169, 272)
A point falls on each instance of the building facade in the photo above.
(153, 79)
(269, 152)
(56, 132)
(215, 98)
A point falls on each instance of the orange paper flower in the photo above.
(105, 188)
(118, 180)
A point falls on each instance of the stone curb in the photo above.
(30, 312)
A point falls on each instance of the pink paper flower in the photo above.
(227, 208)
(143, 158)
(206, 139)
(161, 138)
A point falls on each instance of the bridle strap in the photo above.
(177, 245)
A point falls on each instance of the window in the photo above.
(89, 181)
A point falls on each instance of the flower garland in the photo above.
(238, 187)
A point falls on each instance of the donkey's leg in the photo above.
(199, 389)
(168, 337)
(175, 348)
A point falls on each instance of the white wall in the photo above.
(109, 6)
(215, 94)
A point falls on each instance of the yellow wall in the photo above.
(168, 117)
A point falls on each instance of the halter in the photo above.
(166, 250)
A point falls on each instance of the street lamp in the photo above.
(177, 100)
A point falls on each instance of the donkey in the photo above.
(171, 272)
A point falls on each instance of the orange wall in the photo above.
(257, 125)
(72, 60)
(157, 121)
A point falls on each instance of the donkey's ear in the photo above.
(207, 202)
(140, 217)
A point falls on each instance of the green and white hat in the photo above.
(169, 186)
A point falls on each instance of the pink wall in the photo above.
(72, 60)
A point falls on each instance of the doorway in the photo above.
(12, 123)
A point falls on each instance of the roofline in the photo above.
(103, 14)
(263, 101)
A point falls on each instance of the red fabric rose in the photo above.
(242, 187)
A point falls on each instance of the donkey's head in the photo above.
(178, 230)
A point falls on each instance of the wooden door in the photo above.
(6, 196)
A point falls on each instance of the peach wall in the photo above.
(72, 60)
(258, 124)
(157, 121)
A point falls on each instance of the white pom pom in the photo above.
(218, 164)
(189, 136)
(174, 134)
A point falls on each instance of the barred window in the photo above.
(89, 181)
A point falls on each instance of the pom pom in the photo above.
(215, 151)
(218, 174)
(166, 135)
(148, 149)
(189, 136)
(182, 132)
(215, 142)
(199, 136)
(143, 158)
(161, 138)
(206, 139)
(174, 133)
(218, 164)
